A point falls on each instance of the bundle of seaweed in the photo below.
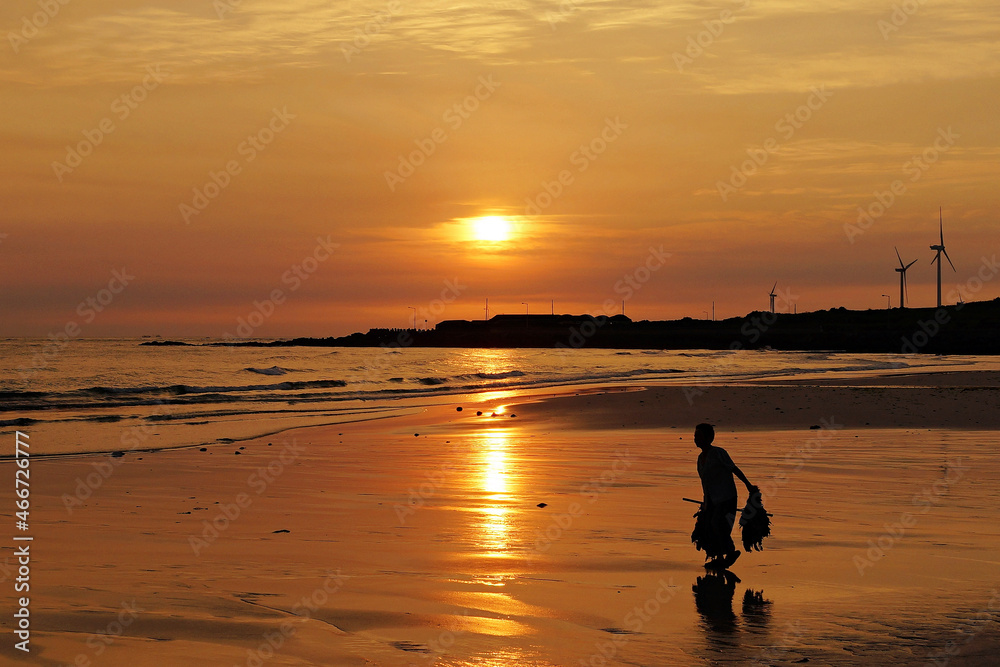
(755, 522)
(704, 537)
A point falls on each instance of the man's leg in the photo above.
(723, 518)
(732, 553)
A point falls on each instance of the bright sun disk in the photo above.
(491, 228)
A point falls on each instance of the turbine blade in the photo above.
(941, 224)
(775, 285)
(936, 257)
(949, 260)
(897, 255)
(909, 265)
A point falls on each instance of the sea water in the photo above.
(91, 395)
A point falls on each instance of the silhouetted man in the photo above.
(716, 470)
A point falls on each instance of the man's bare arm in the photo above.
(743, 478)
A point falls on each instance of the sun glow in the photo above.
(491, 228)
(496, 485)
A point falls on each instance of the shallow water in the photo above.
(106, 395)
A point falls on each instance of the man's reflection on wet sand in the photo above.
(725, 631)
(713, 598)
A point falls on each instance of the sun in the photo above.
(491, 228)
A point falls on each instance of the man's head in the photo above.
(704, 434)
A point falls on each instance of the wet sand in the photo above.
(418, 540)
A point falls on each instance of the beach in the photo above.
(549, 530)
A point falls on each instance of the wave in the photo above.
(273, 370)
(23, 421)
(709, 354)
(491, 376)
(15, 395)
(182, 389)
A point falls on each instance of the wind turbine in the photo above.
(772, 295)
(937, 258)
(902, 278)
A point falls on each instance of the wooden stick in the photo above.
(698, 502)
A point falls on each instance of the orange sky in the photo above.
(304, 119)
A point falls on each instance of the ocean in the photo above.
(117, 395)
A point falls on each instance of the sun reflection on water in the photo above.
(496, 484)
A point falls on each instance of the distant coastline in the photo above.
(969, 328)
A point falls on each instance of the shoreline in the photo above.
(905, 399)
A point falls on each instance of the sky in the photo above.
(280, 168)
